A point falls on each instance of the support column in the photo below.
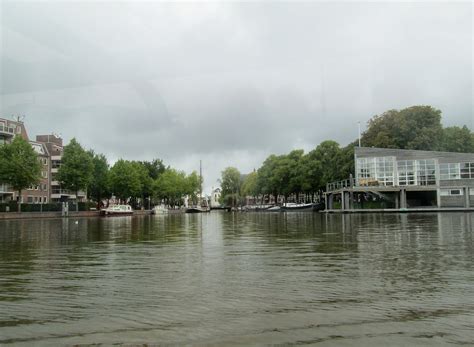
(326, 207)
(438, 198)
(351, 200)
(403, 198)
(343, 200)
(466, 197)
(347, 200)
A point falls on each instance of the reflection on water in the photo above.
(224, 278)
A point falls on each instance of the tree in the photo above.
(125, 180)
(230, 184)
(326, 162)
(456, 139)
(416, 127)
(172, 186)
(267, 182)
(99, 185)
(76, 168)
(193, 184)
(154, 168)
(249, 185)
(19, 166)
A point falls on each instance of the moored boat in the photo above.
(117, 210)
(198, 209)
(290, 207)
(159, 209)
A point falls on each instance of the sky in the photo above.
(228, 83)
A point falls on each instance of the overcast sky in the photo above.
(228, 83)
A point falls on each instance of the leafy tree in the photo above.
(171, 186)
(125, 180)
(99, 185)
(416, 127)
(193, 184)
(267, 182)
(457, 139)
(230, 185)
(249, 185)
(19, 166)
(76, 168)
(154, 168)
(326, 162)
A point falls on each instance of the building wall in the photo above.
(452, 201)
(394, 156)
(404, 154)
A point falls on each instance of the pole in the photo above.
(200, 182)
(359, 133)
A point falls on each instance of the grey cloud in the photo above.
(229, 83)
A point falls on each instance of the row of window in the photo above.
(381, 171)
(42, 187)
(454, 192)
(37, 199)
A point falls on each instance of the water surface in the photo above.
(249, 279)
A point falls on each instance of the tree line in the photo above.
(140, 183)
(297, 173)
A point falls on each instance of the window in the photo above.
(365, 170)
(384, 170)
(30, 199)
(451, 192)
(426, 172)
(467, 170)
(406, 173)
(450, 171)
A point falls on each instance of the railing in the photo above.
(347, 183)
(4, 188)
(7, 130)
(66, 192)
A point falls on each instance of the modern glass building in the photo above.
(406, 179)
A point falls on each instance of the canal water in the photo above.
(244, 278)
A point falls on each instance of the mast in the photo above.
(200, 181)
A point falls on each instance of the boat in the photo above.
(310, 207)
(202, 205)
(274, 209)
(197, 209)
(159, 209)
(117, 210)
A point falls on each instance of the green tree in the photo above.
(154, 168)
(325, 164)
(172, 186)
(416, 127)
(125, 180)
(230, 185)
(457, 139)
(76, 168)
(193, 185)
(19, 166)
(99, 185)
(249, 185)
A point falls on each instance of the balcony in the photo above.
(4, 189)
(7, 131)
(64, 193)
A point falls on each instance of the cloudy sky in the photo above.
(228, 83)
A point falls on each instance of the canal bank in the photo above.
(71, 214)
(401, 210)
